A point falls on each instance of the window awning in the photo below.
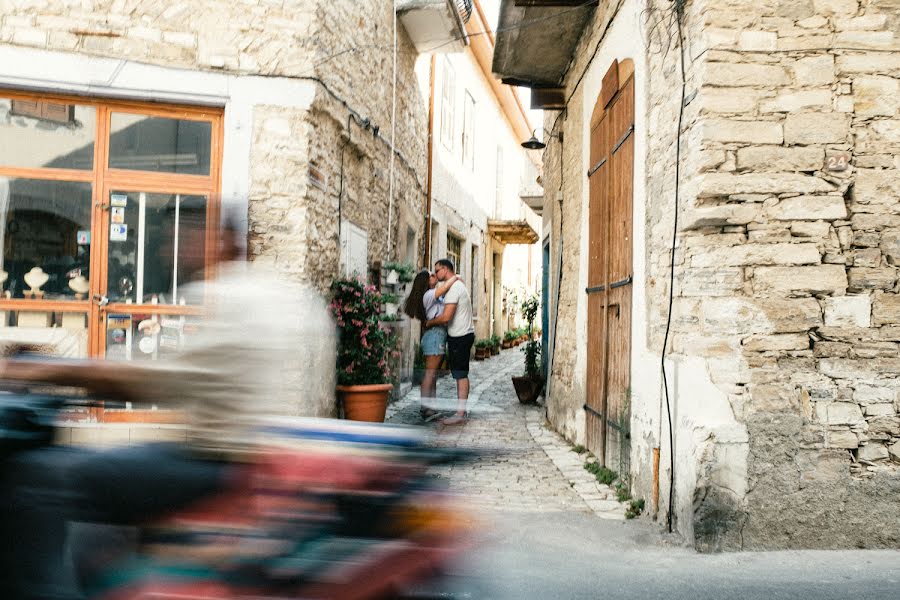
(512, 232)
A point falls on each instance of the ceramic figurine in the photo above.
(35, 278)
(80, 286)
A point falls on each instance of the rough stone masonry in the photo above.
(788, 260)
(787, 264)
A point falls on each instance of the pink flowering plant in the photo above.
(367, 348)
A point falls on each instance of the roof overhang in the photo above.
(536, 40)
(534, 201)
(512, 232)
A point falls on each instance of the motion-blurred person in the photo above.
(258, 338)
(426, 301)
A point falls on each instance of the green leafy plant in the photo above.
(635, 508)
(367, 348)
(405, 271)
(579, 449)
(532, 348)
(603, 474)
(483, 344)
(495, 341)
(510, 336)
(390, 298)
(622, 493)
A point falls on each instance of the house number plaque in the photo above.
(837, 162)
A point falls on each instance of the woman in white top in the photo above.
(426, 301)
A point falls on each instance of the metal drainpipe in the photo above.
(428, 177)
(558, 279)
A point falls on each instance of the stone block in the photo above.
(779, 158)
(861, 279)
(890, 246)
(894, 451)
(808, 208)
(820, 279)
(868, 257)
(790, 315)
(30, 37)
(815, 70)
(816, 128)
(869, 22)
(776, 343)
(717, 216)
(836, 7)
(748, 132)
(758, 41)
(872, 452)
(729, 100)
(844, 413)
(759, 254)
(745, 74)
(727, 184)
(880, 410)
(875, 394)
(877, 186)
(865, 39)
(886, 309)
(816, 230)
(876, 96)
(794, 101)
(842, 438)
(711, 282)
(848, 311)
(874, 62)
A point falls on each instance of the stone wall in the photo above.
(785, 322)
(345, 48)
(788, 283)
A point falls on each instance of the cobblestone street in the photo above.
(526, 467)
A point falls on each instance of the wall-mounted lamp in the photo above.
(533, 143)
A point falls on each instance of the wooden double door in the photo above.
(610, 272)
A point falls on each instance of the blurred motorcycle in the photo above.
(329, 509)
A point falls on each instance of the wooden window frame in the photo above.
(448, 104)
(103, 180)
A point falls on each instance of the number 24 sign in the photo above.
(840, 161)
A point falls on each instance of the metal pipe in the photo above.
(655, 492)
(429, 172)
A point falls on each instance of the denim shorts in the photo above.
(433, 341)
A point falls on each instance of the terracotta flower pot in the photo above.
(365, 402)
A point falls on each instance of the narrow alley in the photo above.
(525, 466)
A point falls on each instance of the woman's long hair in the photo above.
(414, 306)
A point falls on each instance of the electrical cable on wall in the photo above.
(393, 139)
(679, 17)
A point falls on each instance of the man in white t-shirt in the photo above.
(457, 316)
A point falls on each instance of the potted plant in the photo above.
(391, 304)
(495, 345)
(529, 386)
(367, 349)
(399, 272)
(509, 339)
(482, 349)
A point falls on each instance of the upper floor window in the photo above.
(468, 139)
(498, 185)
(448, 100)
(454, 251)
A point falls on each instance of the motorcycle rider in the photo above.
(256, 333)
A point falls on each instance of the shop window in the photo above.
(35, 134)
(149, 143)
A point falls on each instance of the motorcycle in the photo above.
(330, 509)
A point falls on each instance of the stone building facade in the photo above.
(784, 359)
(305, 94)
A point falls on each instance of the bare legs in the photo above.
(429, 379)
(462, 394)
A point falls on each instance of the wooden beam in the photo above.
(548, 98)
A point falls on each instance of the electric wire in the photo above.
(679, 16)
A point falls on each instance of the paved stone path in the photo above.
(526, 466)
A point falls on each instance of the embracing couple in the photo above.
(440, 300)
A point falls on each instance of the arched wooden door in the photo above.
(610, 270)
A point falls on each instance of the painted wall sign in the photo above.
(837, 162)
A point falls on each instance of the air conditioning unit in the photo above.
(436, 26)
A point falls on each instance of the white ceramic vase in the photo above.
(35, 278)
